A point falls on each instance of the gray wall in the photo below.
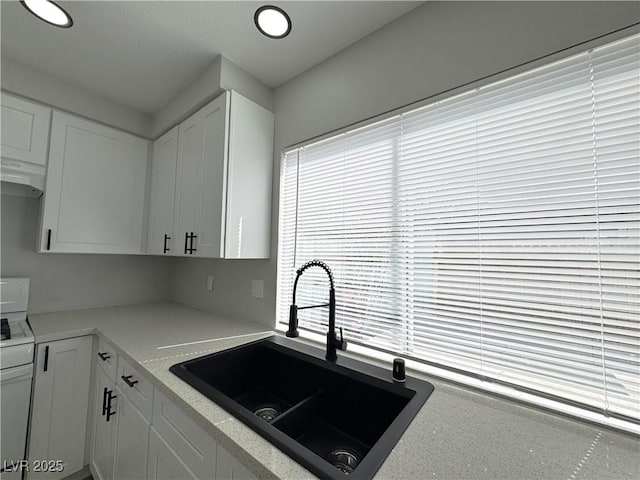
(434, 48)
(205, 86)
(222, 74)
(42, 87)
(67, 282)
(231, 295)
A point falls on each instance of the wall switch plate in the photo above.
(257, 288)
(210, 283)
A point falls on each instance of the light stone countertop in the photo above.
(459, 433)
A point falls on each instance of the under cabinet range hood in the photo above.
(21, 178)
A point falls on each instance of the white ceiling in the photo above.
(142, 53)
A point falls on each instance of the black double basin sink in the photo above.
(336, 419)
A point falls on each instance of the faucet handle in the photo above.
(342, 344)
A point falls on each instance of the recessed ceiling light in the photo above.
(49, 12)
(272, 21)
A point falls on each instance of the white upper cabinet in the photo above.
(222, 205)
(202, 181)
(25, 136)
(25, 130)
(248, 209)
(160, 239)
(95, 189)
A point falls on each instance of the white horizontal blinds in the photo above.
(616, 82)
(346, 217)
(496, 232)
(538, 233)
(287, 232)
(439, 224)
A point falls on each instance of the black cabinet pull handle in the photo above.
(104, 401)
(165, 249)
(192, 237)
(49, 239)
(186, 239)
(110, 396)
(127, 380)
(104, 356)
(46, 358)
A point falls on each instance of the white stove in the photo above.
(17, 345)
(17, 348)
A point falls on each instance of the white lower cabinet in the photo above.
(192, 452)
(121, 431)
(104, 432)
(185, 437)
(164, 463)
(60, 403)
(132, 441)
(139, 433)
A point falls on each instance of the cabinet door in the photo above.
(201, 181)
(248, 212)
(95, 189)
(163, 462)
(104, 432)
(132, 441)
(25, 130)
(185, 437)
(211, 204)
(160, 240)
(188, 181)
(60, 402)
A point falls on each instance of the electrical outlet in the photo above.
(257, 288)
(210, 283)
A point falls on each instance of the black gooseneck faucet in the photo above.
(333, 342)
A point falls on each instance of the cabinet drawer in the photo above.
(190, 442)
(107, 358)
(135, 387)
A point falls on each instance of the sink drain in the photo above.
(268, 414)
(343, 460)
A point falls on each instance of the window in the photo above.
(494, 233)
